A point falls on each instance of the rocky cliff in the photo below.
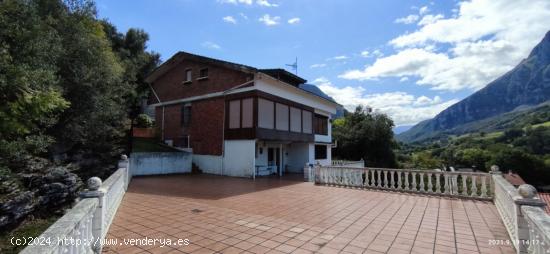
(528, 84)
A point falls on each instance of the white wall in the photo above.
(298, 156)
(160, 163)
(239, 158)
(210, 164)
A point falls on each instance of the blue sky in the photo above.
(409, 59)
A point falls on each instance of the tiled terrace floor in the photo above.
(232, 215)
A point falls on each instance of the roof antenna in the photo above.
(294, 66)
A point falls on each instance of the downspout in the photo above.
(158, 99)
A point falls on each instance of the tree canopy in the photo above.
(367, 136)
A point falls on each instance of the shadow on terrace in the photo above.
(205, 186)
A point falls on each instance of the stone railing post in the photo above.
(94, 191)
(308, 172)
(527, 197)
(125, 163)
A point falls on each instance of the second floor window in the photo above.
(188, 75)
(320, 125)
(203, 73)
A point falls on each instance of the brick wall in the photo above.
(170, 87)
(206, 115)
(205, 128)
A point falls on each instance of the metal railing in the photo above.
(458, 184)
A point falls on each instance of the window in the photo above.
(248, 111)
(295, 120)
(234, 114)
(188, 76)
(320, 152)
(203, 73)
(282, 117)
(306, 121)
(186, 115)
(320, 125)
(265, 113)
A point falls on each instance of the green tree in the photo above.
(366, 136)
(425, 160)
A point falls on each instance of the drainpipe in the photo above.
(162, 125)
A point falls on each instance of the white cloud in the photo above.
(403, 79)
(210, 45)
(294, 21)
(403, 108)
(247, 2)
(377, 53)
(430, 19)
(486, 39)
(319, 65)
(266, 3)
(229, 19)
(341, 57)
(423, 10)
(269, 21)
(407, 20)
(365, 53)
(243, 16)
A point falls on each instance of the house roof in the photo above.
(514, 178)
(178, 57)
(277, 73)
(285, 76)
(545, 196)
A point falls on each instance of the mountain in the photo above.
(527, 85)
(401, 128)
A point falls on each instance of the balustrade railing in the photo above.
(83, 228)
(538, 226)
(351, 164)
(460, 184)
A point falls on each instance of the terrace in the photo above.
(272, 215)
(345, 210)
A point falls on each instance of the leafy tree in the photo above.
(474, 157)
(367, 136)
(425, 160)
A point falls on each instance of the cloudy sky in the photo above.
(409, 59)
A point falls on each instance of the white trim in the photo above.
(303, 92)
(206, 96)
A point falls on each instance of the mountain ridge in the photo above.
(527, 84)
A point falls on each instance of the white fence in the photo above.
(82, 228)
(350, 164)
(457, 184)
(520, 209)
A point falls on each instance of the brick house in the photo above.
(238, 120)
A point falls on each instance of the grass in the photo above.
(30, 228)
(545, 124)
(150, 145)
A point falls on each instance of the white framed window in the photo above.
(188, 76)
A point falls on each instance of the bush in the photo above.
(144, 121)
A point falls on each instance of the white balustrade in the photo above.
(82, 228)
(408, 180)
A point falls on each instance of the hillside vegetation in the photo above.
(70, 86)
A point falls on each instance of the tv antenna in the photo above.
(294, 66)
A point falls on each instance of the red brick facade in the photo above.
(170, 86)
(206, 126)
